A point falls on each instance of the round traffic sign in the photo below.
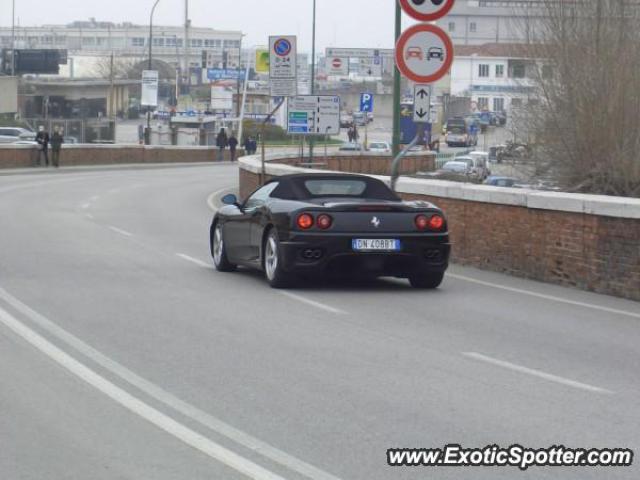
(424, 53)
(337, 63)
(426, 10)
(282, 47)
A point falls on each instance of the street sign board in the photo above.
(314, 115)
(426, 10)
(366, 102)
(421, 103)
(221, 98)
(338, 66)
(262, 61)
(283, 66)
(424, 53)
(149, 97)
(332, 52)
(225, 74)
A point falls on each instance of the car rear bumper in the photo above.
(321, 254)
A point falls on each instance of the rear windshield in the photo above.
(347, 188)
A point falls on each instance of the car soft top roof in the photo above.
(292, 186)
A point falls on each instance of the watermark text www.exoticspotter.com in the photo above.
(515, 456)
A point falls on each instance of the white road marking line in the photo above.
(94, 198)
(536, 373)
(200, 263)
(89, 216)
(137, 406)
(120, 231)
(85, 206)
(546, 297)
(157, 393)
(313, 303)
(114, 190)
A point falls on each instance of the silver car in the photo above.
(15, 134)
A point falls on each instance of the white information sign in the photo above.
(421, 103)
(314, 115)
(149, 88)
(283, 66)
(221, 98)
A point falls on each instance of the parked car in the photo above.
(15, 134)
(345, 121)
(498, 181)
(351, 147)
(477, 163)
(383, 147)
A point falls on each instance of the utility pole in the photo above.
(150, 66)
(187, 63)
(396, 88)
(313, 71)
(13, 39)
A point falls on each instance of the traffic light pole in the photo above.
(396, 88)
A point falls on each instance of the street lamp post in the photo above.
(313, 70)
(147, 136)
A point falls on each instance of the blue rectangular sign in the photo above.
(225, 74)
(366, 102)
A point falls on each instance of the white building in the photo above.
(86, 41)
(474, 22)
(496, 76)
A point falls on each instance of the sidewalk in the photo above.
(99, 168)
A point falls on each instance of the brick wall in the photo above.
(25, 156)
(496, 229)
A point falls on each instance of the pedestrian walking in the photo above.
(42, 137)
(356, 135)
(221, 142)
(247, 145)
(254, 146)
(57, 139)
(350, 133)
(233, 144)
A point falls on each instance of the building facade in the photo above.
(93, 39)
(476, 22)
(497, 77)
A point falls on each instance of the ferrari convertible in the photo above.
(303, 225)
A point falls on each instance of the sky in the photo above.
(340, 23)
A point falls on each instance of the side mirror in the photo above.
(230, 199)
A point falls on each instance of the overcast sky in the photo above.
(341, 23)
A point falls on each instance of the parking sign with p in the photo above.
(366, 102)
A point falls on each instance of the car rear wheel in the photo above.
(219, 251)
(272, 262)
(427, 281)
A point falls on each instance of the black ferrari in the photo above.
(331, 224)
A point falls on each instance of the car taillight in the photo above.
(324, 222)
(436, 222)
(422, 222)
(305, 221)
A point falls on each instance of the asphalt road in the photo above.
(124, 355)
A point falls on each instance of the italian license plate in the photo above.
(375, 245)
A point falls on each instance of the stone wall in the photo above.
(589, 242)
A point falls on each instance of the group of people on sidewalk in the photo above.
(43, 139)
(223, 141)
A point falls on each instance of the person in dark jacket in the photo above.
(221, 142)
(57, 139)
(233, 144)
(42, 137)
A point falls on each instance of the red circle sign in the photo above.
(426, 10)
(424, 53)
(337, 63)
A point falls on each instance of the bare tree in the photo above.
(586, 123)
(123, 67)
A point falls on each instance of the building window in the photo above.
(137, 42)
(517, 70)
(499, 71)
(483, 103)
(88, 40)
(196, 42)
(483, 70)
(209, 43)
(472, 27)
(170, 42)
(231, 43)
(498, 104)
(516, 102)
(158, 42)
(452, 26)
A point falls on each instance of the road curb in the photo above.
(106, 168)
